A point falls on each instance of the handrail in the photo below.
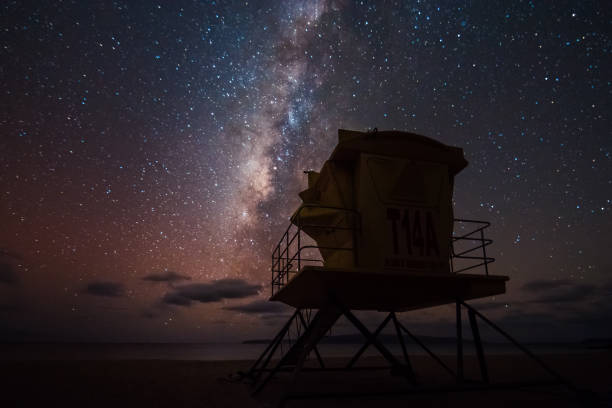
(283, 258)
(483, 243)
(287, 255)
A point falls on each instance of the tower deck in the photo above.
(359, 289)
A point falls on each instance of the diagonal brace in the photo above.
(371, 338)
(368, 341)
(424, 347)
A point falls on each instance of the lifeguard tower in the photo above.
(376, 231)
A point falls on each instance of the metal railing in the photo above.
(296, 249)
(465, 246)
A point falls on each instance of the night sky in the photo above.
(151, 153)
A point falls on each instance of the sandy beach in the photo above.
(167, 383)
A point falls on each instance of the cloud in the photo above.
(176, 298)
(597, 314)
(148, 314)
(562, 290)
(259, 307)
(574, 293)
(493, 305)
(165, 276)
(19, 335)
(185, 295)
(108, 289)
(7, 253)
(523, 320)
(8, 275)
(542, 284)
(571, 324)
(274, 319)
(606, 288)
(7, 307)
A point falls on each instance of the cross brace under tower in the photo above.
(311, 331)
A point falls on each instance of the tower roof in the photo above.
(400, 144)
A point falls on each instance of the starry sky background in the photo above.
(151, 153)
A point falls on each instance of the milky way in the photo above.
(151, 153)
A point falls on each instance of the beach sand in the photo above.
(165, 383)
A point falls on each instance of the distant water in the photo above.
(228, 351)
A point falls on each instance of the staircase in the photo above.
(321, 323)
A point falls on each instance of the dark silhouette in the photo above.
(376, 232)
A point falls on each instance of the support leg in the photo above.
(400, 337)
(478, 343)
(523, 349)
(459, 342)
(424, 347)
(319, 359)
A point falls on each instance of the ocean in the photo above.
(232, 351)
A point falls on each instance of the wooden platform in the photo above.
(357, 289)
